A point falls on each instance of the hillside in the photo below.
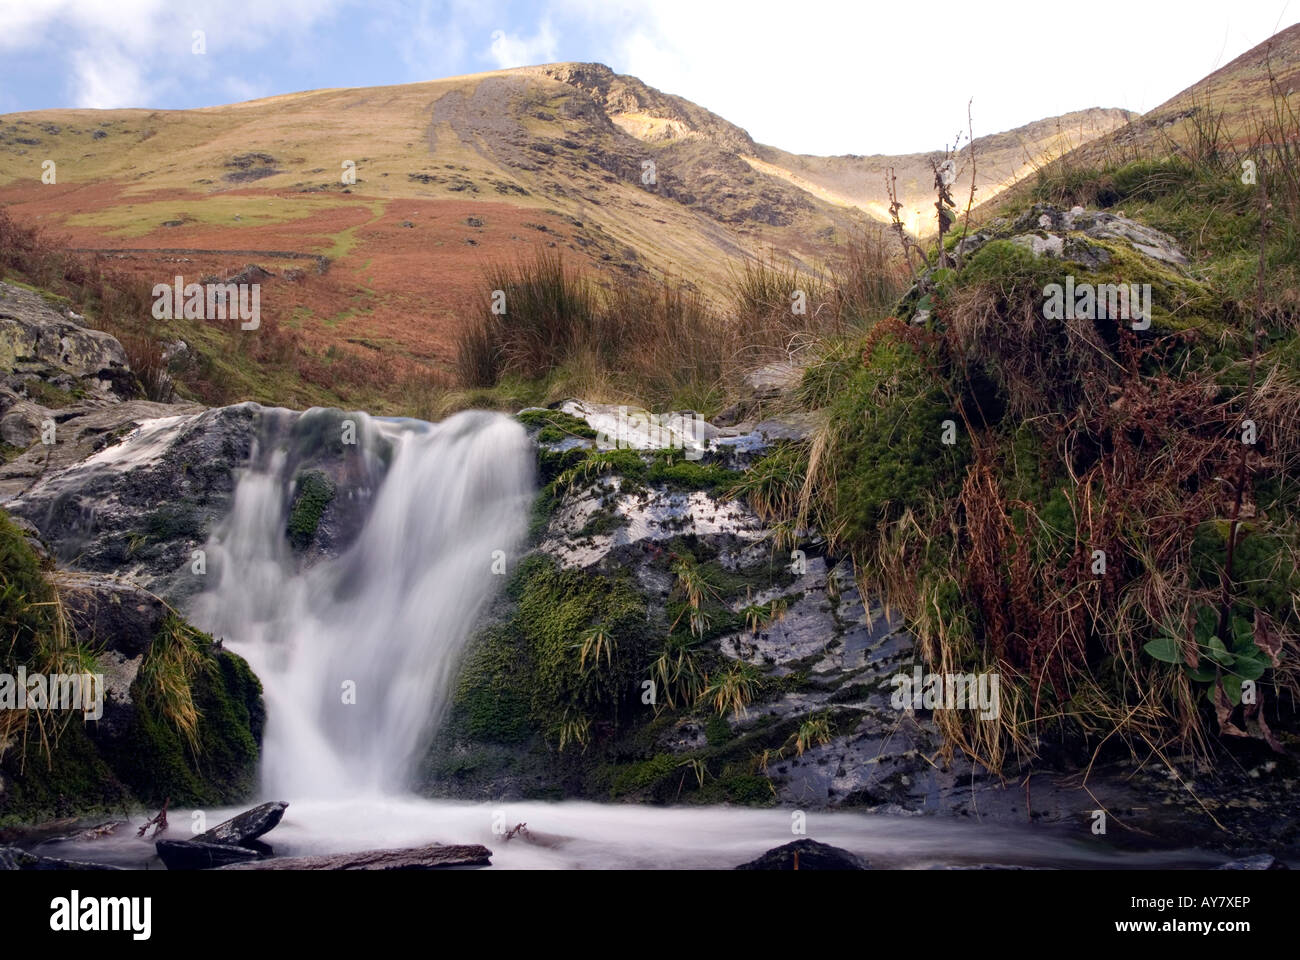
(451, 175)
(1000, 159)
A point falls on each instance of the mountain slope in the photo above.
(450, 175)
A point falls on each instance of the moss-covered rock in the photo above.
(313, 490)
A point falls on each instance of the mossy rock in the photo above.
(313, 490)
(156, 763)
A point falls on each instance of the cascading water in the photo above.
(356, 653)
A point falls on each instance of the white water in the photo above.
(388, 618)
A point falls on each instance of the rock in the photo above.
(413, 858)
(773, 379)
(36, 339)
(811, 856)
(1261, 861)
(80, 433)
(21, 424)
(246, 827)
(641, 519)
(795, 426)
(119, 620)
(175, 352)
(15, 858)
(252, 273)
(636, 429)
(1101, 225)
(1049, 246)
(132, 486)
(108, 611)
(197, 855)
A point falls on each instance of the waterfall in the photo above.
(357, 653)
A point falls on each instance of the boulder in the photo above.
(807, 855)
(412, 858)
(119, 620)
(197, 855)
(36, 339)
(246, 827)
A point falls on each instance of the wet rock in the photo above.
(807, 855)
(133, 487)
(413, 858)
(1261, 861)
(633, 428)
(246, 827)
(198, 855)
(621, 519)
(14, 858)
(80, 433)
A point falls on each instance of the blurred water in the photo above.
(388, 618)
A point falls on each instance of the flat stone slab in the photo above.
(247, 826)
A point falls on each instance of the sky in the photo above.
(813, 76)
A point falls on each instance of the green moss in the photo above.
(154, 760)
(72, 779)
(555, 426)
(637, 778)
(173, 522)
(526, 674)
(1008, 265)
(25, 615)
(48, 395)
(717, 730)
(671, 469)
(493, 699)
(313, 491)
(1262, 566)
(891, 431)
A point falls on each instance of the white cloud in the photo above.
(103, 79)
(514, 50)
(122, 52)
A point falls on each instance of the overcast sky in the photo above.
(811, 76)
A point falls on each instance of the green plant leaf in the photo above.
(1217, 652)
(1232, 687)
(1207, 624)
(1201, 674)
(1250, 668)
(1165, 649)
(1243, 634)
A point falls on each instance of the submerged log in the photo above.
(431, 857)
